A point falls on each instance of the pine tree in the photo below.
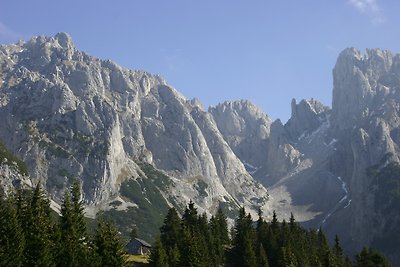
(190, 217)
(174, 257)
(324, 250)
(108, 244)
(243, 250)
(274, 222)
(347, 262)
(216, 242)
(190, 252)
(262, 257)
(38, 231)
(171, 235)
(171, 230)
(11, 237)
(222, 227)
(370, 258)
(74, 250)
(292, 223)
(287, 258)
(158, 256)
(338, 252)
(202, 231)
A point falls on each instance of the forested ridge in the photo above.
(31, 235)
(191, 240)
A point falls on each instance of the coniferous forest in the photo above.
(31, 235)
(191, 240)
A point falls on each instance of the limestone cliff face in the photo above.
(365, 115)
(316, 165)
(245, 128)
(69, 115)
(124, 133)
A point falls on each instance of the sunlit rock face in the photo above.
(71, 116)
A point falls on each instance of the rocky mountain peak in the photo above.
(306, 117)
(243, 126)
(70, 115)
(65, 40)
(361, 81)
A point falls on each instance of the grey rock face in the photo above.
(245, 128)
(316, 164)
(69, 115)
(306, 117)
(366, 120)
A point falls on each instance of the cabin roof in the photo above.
(143, 243)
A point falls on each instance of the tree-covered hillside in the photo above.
(191, 240)
(31, 236)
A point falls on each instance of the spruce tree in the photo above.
(371, 258)
(324, 249)
(244, 241)
(171, 236)
(262, 258)
(347, 262)
(274, 222)
(38, 232)
(158, 256)
(338, 252)
(216, 242)
(108, 245)
(11, 237)
(191, 255)
(287, 258)
(174, 257)
(190, 217)
(222, 226)
(74, 250)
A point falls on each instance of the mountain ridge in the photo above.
(69, 115)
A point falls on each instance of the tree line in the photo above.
(192, 240)
(31, 235)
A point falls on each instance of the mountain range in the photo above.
(138, 146)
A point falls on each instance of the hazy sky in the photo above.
(262, 50)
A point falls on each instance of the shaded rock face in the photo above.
(69, 115)
(316, 164)
(366, 121)
(245, 128)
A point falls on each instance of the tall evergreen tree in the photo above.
(222, 223)
(292, 223)
(190, 216)
(371, 258)
(191, 255)
(244, 241)
(38, 231)
(108, 244)
(11, 237)
(338, 252)
(274, 222)
(158, 256)
(171, 236)
(287, 258)
(262, 258)
(216, 242)
(74, 250)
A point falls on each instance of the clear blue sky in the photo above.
(262, 50)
